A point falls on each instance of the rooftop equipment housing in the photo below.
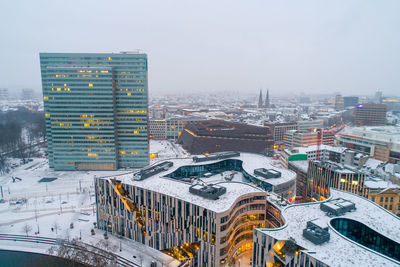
(152, 170)
(216, 156)
(208, 191)
(267, 173)
(317, 232)
(337, 206)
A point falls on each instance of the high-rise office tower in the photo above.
(378, 97)
(350, 101)
(339, 102)
(96, 110)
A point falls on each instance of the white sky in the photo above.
(347, 46)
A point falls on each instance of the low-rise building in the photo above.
(217, 135)
(310, 124)
(304, 138)
(278, 130)
(382, 143)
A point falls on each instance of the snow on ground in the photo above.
(49, 208)
(166, 149)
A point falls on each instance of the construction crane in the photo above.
(128, 202)
(319, 139)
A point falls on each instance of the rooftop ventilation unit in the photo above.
(152, 170)
(267, 173)
(317, 231)
(207, 191)
(216, 156)
(337, 206)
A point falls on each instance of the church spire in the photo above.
(267, 104)
(260, 100)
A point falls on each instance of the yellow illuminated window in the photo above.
(90, 84)
(58, 89)
(45, 97)
(65, 84)
(122, 152)
(86, 124)
(135, 132)
(109, 58)
(47, 115)
(92, 154)
(128, 93)
(104, 71)
(83, 116)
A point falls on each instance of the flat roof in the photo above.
(339, 251)
(386, 134)
(180, 189)
(304, 150)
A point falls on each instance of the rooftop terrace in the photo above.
(340, 250)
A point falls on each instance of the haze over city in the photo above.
(200, 134)
(350, 47)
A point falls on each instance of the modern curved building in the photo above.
(345, 230)
(200, 210)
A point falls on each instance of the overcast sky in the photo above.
(346, 46)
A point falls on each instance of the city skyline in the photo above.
(345, 47)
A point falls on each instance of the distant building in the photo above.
(157, 129)
(346, 230)
(310, 124)
(278, 130)
(350, 101)
(170, 128)
(339, 102)
(370, 115)
(301, 138)
(378, 97)
(4, 94)
(381, 143)
(96, 110)
(217, 135)
(27, 94)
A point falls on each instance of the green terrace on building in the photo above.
(96, 110)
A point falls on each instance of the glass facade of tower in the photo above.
(96, 110)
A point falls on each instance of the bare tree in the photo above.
(76, 251)
(27, 228)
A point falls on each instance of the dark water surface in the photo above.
(10, 258)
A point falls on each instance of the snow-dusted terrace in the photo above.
(340, 251)
(235, 189)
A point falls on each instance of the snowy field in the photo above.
(48, 209)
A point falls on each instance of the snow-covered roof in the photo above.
(339, 251)
(381, 134)
(179, 189)
(308, 149)
(300, 164)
